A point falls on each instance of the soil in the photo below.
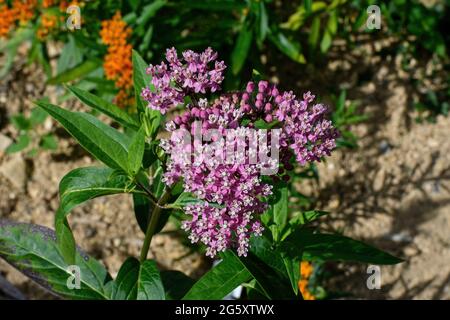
(393, 191)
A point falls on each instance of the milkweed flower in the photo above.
(21, 11)
(306, 270)
(233, 194)
(118, 63)
(193, 73)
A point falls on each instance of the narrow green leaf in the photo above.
(280, 209)
(305, 245)
(111, 110)
(326, 41)
(32, 249)
(136, 152)
(289, 48)
(76, 72)
(241, 48)
(314, 33)
(102, 141)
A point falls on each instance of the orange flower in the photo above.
(25, 9)
(21, 11)
(49, 22)
(306, 270)
(117, 64)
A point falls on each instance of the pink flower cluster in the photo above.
(195, 72)
(305, 130)
(231, 195)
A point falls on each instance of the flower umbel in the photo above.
(231, 194)
(118, 64)
(193, 73)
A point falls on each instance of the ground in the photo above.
(393, 191)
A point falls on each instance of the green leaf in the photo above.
(102, 141)
(37, 116)
(176, 284)
(140, 79)
(81, 185)
(22, 142)
(32, 250)
(149, 11)
(111, 110)
(306, 217)
(20, 122)
(280, 209)
(263, 22)
(184, 199)
(125, 282)
(138, 281)
(293, 272)
(149, 283)
(136, 152)
(314, 33)
(49, 142)
(70, 56)
(220, 280)
(76, 72)
(326, 41)
(273, 286)
(241, 48)
(289, 48)
(305, 245)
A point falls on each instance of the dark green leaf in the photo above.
(176, 284)
(32, 249)
(273, 286)
(136, 152)
(149, 285)
(136, 281)
(280, 209)
(305, 245)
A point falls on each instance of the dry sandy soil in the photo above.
(393, 191)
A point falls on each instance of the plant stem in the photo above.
(152, 224)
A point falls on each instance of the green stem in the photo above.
(156, 213)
